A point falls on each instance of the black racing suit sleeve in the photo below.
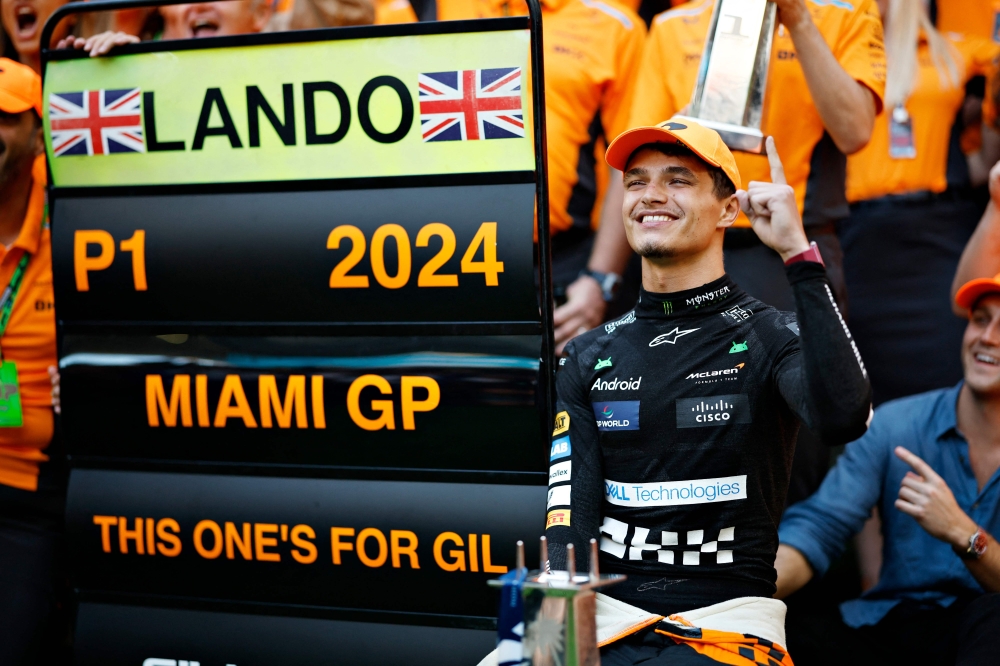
(586, 491)
(825, 383)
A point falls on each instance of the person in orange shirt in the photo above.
(907, 229)
(592, 50)
(31, 492)
(824, 90)
(972, 18)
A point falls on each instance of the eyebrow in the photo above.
(671, 170)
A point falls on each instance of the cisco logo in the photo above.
(716, 410)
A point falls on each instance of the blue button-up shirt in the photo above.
(915, 565)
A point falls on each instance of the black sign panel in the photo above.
(456, 402)
(432, 254)
(379, 545)
(110, 635)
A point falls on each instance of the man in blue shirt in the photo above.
(929, 463)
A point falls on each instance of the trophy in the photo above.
(729, 95)
(552, 613)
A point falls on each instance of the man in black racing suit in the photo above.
(676, 423)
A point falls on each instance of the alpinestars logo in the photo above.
(738, 313)
(671, 337)
(627, 319)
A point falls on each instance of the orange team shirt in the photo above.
(592, 50)
(669, 71)
(872, 172)
(974, 18)
(30, 341)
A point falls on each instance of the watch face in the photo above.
(979, 544)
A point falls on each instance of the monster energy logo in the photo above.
(668, 307)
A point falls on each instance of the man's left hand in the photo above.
(772, 210)
(583, 310)
(925, 496)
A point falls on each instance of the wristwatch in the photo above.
(977, 546)
(609, 282)
(812, 254)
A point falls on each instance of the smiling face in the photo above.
(671, 208)
(981, 347)
(212, 19)
(23, 21)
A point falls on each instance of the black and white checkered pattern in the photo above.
(670, 550)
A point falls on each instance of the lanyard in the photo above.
(10, 293)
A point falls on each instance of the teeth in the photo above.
(656, 218)
(987, 359)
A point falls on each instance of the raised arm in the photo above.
(825, 383)
(981, 257)
(846, 106)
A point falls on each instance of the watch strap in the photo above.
(812, 254)
(609, 282)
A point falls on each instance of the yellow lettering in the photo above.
(383, 549)
(309, 556)
(387, 420)
(156, 401)
(458, 564)
(82, 264)
(295, 396)
(241, 542)
(199, 531)
(106, 522)
(410, 405)
(261, 542)
(336, 545)
(233, 389)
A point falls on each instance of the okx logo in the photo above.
(715, 410)
(617, 415)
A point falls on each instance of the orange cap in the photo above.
(703, 142)
(20, 88)
(973, 290)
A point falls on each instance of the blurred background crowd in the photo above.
(884, 114)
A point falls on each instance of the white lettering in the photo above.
(673, 493)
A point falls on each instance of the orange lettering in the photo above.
(125, 535)
(410, 549)
(164, 524)
(199, 530)
(458, 564)
(233, 389)
(106, 522)
(82, 263)
(309, 556)
(336, 545)
(295, 397)
(233, 538)
(261, 542)
(180, 400)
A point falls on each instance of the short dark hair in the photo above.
(723, 186)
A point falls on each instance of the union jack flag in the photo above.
(96, 122)
(471, 104)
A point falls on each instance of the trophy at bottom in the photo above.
(549, 618)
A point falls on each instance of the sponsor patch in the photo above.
(617, 415)
(712, 376)
(562, 423)
(709, 297)
(627, 319)
(737, 313)
(559, 496)
(671, 337)
(615, 384)
(603, 363)
(738, 347)
(561, 472)
(715, 410)
(676, 493)
(558, 517)
(560, 448)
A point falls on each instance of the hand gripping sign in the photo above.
(295, 281)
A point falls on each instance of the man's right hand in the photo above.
(772, 210)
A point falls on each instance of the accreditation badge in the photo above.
(10, 397)
(901, 146)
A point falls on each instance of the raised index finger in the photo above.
(777, 169)
(916, 462)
